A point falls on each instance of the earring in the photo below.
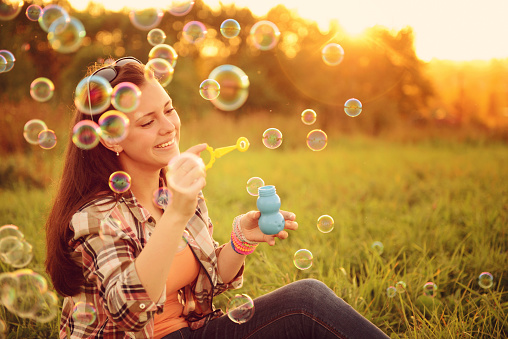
(117, 154)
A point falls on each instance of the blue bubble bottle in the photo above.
(268, 203)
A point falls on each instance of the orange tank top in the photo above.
(183, 271)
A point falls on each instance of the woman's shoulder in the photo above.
(88, 217)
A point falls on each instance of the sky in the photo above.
(460, 30)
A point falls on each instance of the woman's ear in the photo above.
(111, 146)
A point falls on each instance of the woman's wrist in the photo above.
(239, 242)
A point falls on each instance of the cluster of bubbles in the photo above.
(14, 249)
(36, 132)
(7, 60)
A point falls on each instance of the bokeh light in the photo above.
(234, 87)
(240, 308)
(156, 37)
(85, 134)
(317, 140)
(264, 35)
(194, 31)
(230, 28)
(125, 97)
(309, 116)
(253, 184)
(209, 89)
(120, 182)
(332, 54)
(146, 19)
(32, 129)
(353, 107)
(303, 259)
(325, 223)
(114, 126)
(46, 139)
(272, 138)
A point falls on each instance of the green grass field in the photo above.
(439, 208)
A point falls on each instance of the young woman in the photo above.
(123, 256)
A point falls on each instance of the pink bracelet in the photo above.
(239, 243)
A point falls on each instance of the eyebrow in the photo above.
(168, 103)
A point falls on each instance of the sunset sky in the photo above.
(444, 29)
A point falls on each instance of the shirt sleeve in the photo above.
(108, 261)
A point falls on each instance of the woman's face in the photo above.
(154, 131)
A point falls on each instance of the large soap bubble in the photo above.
(234, 87)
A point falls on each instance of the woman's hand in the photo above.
(251, 231)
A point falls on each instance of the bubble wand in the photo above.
(242, 144)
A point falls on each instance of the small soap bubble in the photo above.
(194, 31)
(163, 51)
(485, 280)
(234, 87)
(42, 89)
(10, 9)
(391, 292)
(180, 7)
(303, 259)
(230, 28)
(125, 97)
(317, 140)
(93, 95)
(332, 54)
(162, 197)
(378, 247)
(240, 308)
(264, 35)
(400, 286)
(156, 37)
(84, 314)
(309, 116)
(430, 289)
(32, 129)
(209, 89)
(15, 251)
(50, 14)
(325, 223)
(119, 182)
(85, 134)
(10, 230)
(46, 139)
(33, 12)
(66, 37)
(253, 184)
(146, 19)
(47, 307)
(109, 229)
(353, 107)
(272, 138)
(9, 57)
(3, 64)
(159, 69)
(114, 126)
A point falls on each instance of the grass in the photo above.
(439, 208)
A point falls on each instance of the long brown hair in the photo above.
(85, 177)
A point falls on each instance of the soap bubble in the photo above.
(180, 7)
(10, 9)
(400, 286)
(325, 223)
(303, 259)
(353, 107)
(272, 138)
(163, 51)
(181, 165)
(41, 89)
(125, 97)
(10, 59)
(429, 289)
(240, 308)
(22, 290)
(332, 54)
(309, 116)
(119, 182)
(159, 69)
(47, 307)
(317, 140)
(156, 37)
(146, 19)
(33, 12)
(253, 184)
(32, 129)
(84, 314)
(391, 292)
(182, 243)
(11, 230)
(378, 247)
(230, 28)
(15, 251)
(93, 95)
(485, 280)
(85, 134)
(109, 229)
(194, 31)
(264, 35)
(234, 87)
(46, 139)
(114, 126)
(3, 64)
(50, 14)
(209, 89)
(162, 197)
(66, 36)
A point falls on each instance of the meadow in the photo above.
(440, 208)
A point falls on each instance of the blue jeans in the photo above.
(303, 309)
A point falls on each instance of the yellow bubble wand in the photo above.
(242, 144)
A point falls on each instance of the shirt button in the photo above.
(142, 306)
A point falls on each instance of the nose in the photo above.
(167, 126)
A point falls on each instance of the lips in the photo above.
(166, 144)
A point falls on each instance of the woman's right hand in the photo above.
(186, 178)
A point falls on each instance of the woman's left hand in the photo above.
(251, 231)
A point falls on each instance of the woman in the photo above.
(123, 255)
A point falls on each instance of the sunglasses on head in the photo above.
(109, 72)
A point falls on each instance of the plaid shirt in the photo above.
(112, 284)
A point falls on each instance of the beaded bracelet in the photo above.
(240, 244)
